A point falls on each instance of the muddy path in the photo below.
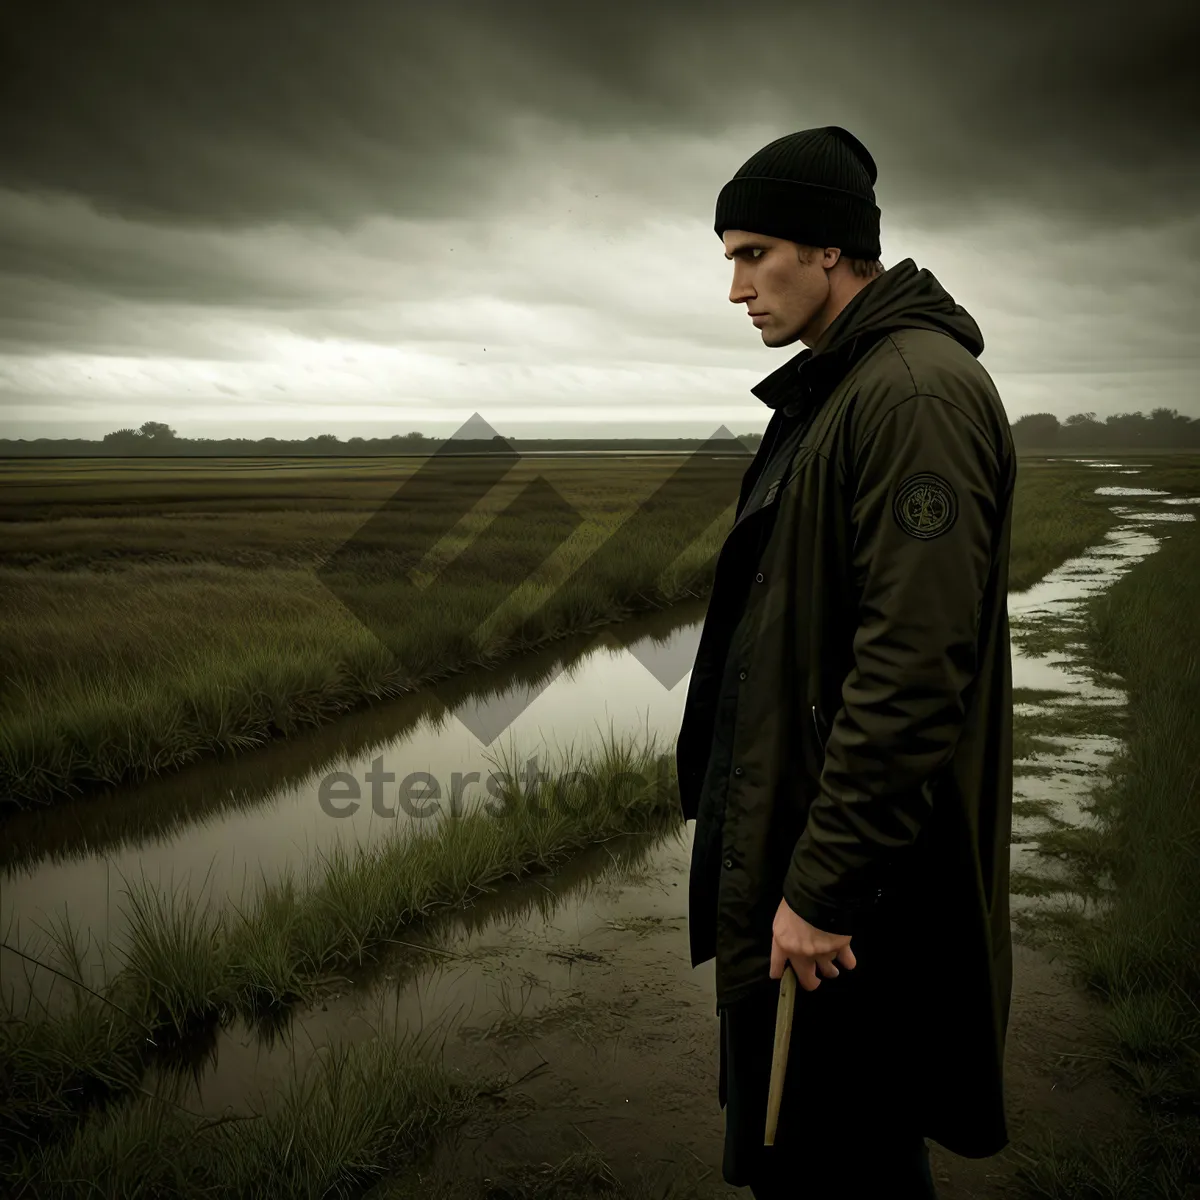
(626, 1058)
(585, 997)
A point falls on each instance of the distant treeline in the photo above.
(155, 438)
(1163, 429)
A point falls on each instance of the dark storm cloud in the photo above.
(37, 317)
(202, 199)
(245, 112)
(62, 245)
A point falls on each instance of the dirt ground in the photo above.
(624, 1057)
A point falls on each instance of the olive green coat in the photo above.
(847, 737)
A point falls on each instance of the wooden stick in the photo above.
(783, 1038)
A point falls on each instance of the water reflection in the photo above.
(1061, 781)
(219, 829)
(528, 940)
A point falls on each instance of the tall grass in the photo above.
(366, 1109)
(1056, 516)
(188, 966)
(160, 619)
(110, 675)
(1142, 956)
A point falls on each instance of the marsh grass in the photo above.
(157, 616)
(1031, 883)
(1036, 770)
(1142, 954)
(189, 966)
(359, 1111)
(1040, 808)
(1071, 720)
(1086, 849)
(1027, 743)
(1056, 517)
(1145, 1165)
(138, 643)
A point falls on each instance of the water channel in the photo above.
(219, 828)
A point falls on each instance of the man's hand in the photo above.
(806, 946)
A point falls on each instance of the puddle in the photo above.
(1091, 462)
(1062, 782)
(1130, 514)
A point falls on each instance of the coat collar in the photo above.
(810, 376)
(813, 373)
(784, 384)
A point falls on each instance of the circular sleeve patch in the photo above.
(925, 506)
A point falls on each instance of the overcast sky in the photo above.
(374, 216)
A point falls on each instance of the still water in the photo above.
(218, 830)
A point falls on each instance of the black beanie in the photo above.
(814, 187)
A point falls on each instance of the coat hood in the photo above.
(903, 297)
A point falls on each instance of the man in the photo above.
(846, 747)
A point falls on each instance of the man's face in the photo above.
(769, 278)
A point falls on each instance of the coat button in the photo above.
(741, 674)
(737, 770)
(729, 864)
(759, 577)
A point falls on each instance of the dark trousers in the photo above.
(843, 1130)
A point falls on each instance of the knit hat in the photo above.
(814, 187)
